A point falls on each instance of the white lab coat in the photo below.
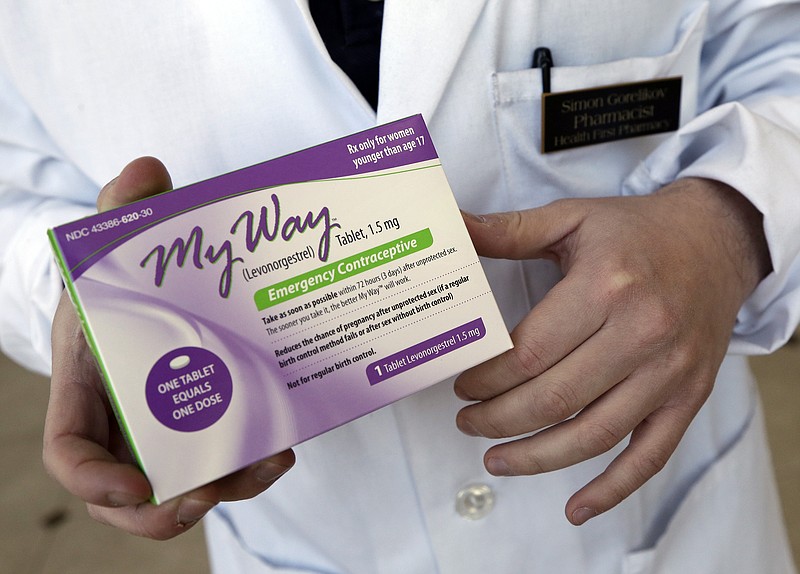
(210, 86)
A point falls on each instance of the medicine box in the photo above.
(239, 316)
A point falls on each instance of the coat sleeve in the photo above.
(748, 136)
(38, 189)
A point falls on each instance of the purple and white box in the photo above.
(239, 316)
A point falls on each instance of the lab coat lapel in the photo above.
(421, 44)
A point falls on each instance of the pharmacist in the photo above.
(669, 142)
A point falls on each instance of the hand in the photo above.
(83, 447)
(629, 342)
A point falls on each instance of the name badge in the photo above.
(610, 113)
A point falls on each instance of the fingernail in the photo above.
(468, 429)
(473, 217)
(111, 183)
(498, 467)
(123, 499)
(269, 472)
(583, 515)
(191, 510)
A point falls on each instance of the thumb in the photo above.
(141, 178)
(528, 234)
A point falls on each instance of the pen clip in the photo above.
(543, 58)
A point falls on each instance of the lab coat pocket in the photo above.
(727, 521)
(230, 551)
(534, 178)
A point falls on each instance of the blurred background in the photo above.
(44, 530)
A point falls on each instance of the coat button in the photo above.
(475, 501)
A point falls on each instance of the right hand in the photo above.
(84, 449)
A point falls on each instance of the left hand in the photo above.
(628, 343)
(84, 448)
